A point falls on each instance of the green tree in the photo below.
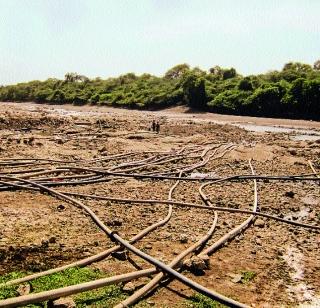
(316, 65)
(297, 67)
(303, 98)
(177, 71)
(245, 84)
(229, 101)
(57, 96)
(266, 101)
(216, 70)
(194, 91)
(294, 70)
(73, 77)
(229, 73)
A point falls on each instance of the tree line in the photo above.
(293, 92)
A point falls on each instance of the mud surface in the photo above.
(39, 232)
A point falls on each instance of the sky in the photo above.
(47, 38)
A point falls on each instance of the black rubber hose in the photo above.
(115, 237)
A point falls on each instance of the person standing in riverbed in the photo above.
(158, 127)
(153, 126)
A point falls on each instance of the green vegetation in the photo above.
(247, 276)
(293, 92)
(6, 292)
(202, 301)
(103, 297)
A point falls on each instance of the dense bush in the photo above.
(292, 92)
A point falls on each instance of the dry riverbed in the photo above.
(270, 265)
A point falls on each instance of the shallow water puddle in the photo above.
(305, 137)
(298, 133)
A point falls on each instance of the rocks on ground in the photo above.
(259, 223)
(64, 302)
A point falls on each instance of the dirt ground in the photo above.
(285, 260)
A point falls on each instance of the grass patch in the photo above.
(201, 301)
(102, 297)
(65, 278)
(247, 276)
(9, 291)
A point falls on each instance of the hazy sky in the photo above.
(47, 38)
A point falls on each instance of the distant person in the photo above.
(153, 126)
(158, 127)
